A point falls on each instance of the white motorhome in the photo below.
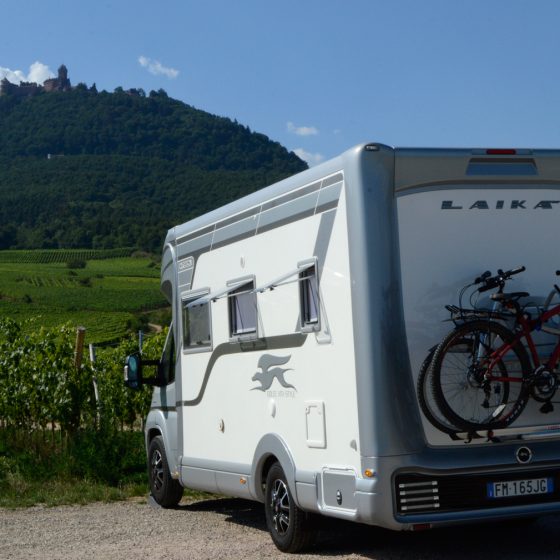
(302, 314)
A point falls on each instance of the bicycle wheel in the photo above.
(470, 392)
(426, 398)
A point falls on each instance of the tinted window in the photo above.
(243, 310)
(309, 297)
(196, 325)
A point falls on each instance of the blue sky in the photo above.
(317, 76)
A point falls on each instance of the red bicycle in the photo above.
(482, 375)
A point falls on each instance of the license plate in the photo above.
(527, 487)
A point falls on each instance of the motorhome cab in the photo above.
(302, 314)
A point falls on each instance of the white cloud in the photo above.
(302, 130)
(311, 159)
(38, 73)
(156, 68)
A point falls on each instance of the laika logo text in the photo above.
(501, 205)
(269, 372)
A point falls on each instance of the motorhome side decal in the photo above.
(266, 376)
(295, 340)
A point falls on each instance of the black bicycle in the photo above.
(459, 346)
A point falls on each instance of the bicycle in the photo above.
(459, 315)
(487, 384)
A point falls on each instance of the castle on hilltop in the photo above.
(28, 89)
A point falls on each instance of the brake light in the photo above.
(501, 152)
(421, 526)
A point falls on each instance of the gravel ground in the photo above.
(230, 528)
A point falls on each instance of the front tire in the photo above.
(290, 527)
(167, 491)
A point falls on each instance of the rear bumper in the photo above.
(460, 479)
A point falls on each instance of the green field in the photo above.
(112, 295)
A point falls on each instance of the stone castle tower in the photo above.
(62, 83)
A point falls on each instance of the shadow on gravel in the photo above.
(514, 540)
(242, 512)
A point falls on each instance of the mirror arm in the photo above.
(150, 363)
(159, 380)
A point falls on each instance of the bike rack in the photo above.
(509, 434)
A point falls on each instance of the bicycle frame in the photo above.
(527, 327)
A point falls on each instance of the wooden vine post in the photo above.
(79, 353)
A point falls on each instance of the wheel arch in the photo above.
(156, 425)
(271, 449)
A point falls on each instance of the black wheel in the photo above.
(469, 387)
(291, 528)
(426, 398)
(166, 491)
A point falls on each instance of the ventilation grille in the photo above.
(432, 493)
(414, 496)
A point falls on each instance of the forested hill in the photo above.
(101, 170)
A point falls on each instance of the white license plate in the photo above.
(527, 487)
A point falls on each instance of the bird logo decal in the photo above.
(266, 375)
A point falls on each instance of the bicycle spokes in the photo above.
(477, 377)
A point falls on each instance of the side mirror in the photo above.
(133, 371)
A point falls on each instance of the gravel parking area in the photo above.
(231, 528)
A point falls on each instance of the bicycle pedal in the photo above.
(547, 407)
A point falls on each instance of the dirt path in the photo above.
(228, 528)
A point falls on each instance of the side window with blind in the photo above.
(309, 298)
(243, 315)
(197, 328)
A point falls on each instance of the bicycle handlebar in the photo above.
(511, 272)
(483, 277)
(497, 281)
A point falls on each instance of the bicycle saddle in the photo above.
(512, 296)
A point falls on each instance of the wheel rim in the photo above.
(280, 506)
(157, 470)
(465, 390)
(470, 394)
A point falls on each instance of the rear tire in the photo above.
(460, 391)
(426, 398)
(291, 528)
(167, 491)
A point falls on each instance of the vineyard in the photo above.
(62, 255)
(42, 389)
(108, 293)
(53, 425)
(52, 428)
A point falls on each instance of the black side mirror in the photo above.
(133, 371)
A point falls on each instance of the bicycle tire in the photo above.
(426, 399)
(469, 402)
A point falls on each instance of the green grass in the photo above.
(88, 467)
(109, 296)
(45, 468)
(23, 492)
